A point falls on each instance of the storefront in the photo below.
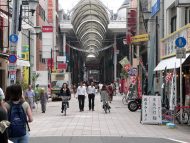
(3, 71)
(170, 77)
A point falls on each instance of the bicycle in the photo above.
(65, 101)
(129, 96)
(185, 115)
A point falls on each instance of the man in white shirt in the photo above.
(91, 95)
(81, 92)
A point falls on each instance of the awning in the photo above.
(169, 63)
(23, 63)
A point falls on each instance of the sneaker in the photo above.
(62, 111)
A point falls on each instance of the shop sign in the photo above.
(151, 109)
(61, 58)
(62, 66)
(47, 28)
(140, 38)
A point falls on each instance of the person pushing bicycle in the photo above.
(105, 98)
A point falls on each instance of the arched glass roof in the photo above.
(90, 22)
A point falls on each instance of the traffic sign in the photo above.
(13, 38)
(180, 53)
(180, 42)
(12, 58)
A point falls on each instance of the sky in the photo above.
(111, 4)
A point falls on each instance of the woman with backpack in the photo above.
(19, 114)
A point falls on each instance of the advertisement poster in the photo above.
(151, 110)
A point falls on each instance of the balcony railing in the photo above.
(168, 47)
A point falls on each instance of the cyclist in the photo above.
(65, 92)
(104, 95)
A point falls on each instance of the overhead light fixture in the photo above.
(91, 56)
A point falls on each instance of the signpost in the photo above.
(13, 38)
(181, 53)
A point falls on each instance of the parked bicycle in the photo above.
(65, 101)
(185, 115)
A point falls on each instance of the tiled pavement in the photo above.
(119, 123)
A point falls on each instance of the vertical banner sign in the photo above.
(50, 11)
(151, 110)
(47, 41)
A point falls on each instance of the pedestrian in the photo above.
(2, 94)
(104, 95)
(110, 92)
(19, 114)
(3, 121)
(74, 90)
(81, 92)
(65, 93)
(30, 95)
(43, 99)
(91, 95)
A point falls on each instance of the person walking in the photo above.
(19, 114)
(81, 92)
(3, 119)
(110, 92)
(43, 99)
(74, 90)
(30, 95)
(91, 95)
(65, 92)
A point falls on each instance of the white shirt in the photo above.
(2, 93)
(81, 90)
(91, 90)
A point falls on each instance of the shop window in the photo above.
(173, 24)
(187, 15)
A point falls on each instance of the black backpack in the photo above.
(18, 120)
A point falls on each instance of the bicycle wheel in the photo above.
(185, 117)
(64, 108)
(105, 108)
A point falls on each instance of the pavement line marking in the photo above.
(176, 140)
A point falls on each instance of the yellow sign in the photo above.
(140, 38)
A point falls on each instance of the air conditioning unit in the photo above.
(182, 3)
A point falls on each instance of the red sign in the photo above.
(47, 28)
(62, 66)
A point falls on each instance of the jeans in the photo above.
(23, 139)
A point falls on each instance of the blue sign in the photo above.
(155, 8)
(12, 58)
(180, 42)
(13, 38)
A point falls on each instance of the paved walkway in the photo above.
(119, 123)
